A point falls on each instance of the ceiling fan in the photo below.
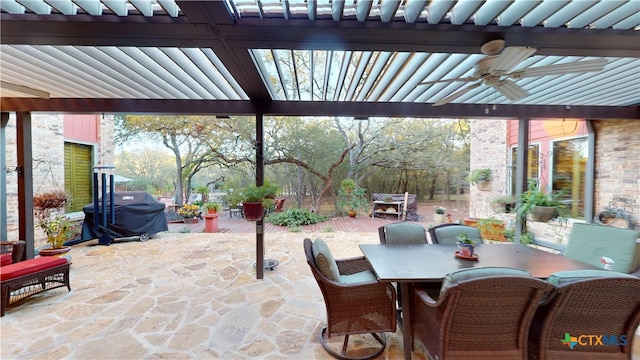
(494, 70)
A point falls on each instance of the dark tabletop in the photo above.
(431, 262)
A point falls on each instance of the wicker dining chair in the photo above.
(482, 318)
(356, 302)
(402, 233)
(447, 233)
(604, 306)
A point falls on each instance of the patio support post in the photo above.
(522, 164)
(260, 181)
(25, 181)
(589, 176)
(4, 120)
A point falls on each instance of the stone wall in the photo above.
(617, 180)
(48, 161)
(488, 151)
(617, 175)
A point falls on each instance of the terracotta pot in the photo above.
(253, 211)
(54, 252)
(212, 211)
(352, 213)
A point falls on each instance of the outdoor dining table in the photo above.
(406, 264)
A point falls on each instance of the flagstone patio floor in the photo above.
(186, 296)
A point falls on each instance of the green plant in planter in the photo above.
(464, 239)
(347, 185)
(533, 198)
(263, 194)
(440, 210)
(479, 175)
(212, 206)
(58, 231)
(353, 200)
(504, 204)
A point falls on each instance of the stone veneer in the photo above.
(617, 175)
(489, 150)
(48, 161)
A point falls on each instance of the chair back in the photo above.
(589, 242)
(608, 307)
(486, 317)
(447, 233)
(402, 233)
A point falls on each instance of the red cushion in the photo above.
(29, 267)
(5, 259)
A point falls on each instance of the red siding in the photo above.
(541, 130)
(83, 128)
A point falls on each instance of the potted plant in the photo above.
(504, 204)
(539, 206)
(439, 216)
(212, 208)
(255, 199)
(352, 198)
(466, 246)
(480, 177)
(49, 216)
(189, 213)
(347, 185)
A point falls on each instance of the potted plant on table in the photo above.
(352, 198)
(466, 246)
(255, 199)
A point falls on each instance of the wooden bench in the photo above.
(21, 280)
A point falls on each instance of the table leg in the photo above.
(406, 320)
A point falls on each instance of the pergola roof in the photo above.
(306, 57)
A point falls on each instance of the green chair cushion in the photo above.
(325, 260)
(363, 276)
(563, 277)
(404, 233)
(474, 273)
(589, 242)
(447, 234)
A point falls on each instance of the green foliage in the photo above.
(503, 203)
(479, 175)
(533, 197)
(212, 206)
(328, 228)
(464, 239)
(440, 210)
(58, 231)
(347, 184)
(353, 200)
(263, 194)
(295, 218)
(203, 190)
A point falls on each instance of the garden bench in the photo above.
(21, 280)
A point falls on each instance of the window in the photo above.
(568, 173)
(533, 168)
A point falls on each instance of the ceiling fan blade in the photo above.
(560, 69)
(509, 58)
(510, 90)
(465, 79)
(456, 95)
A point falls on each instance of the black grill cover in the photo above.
(137, 213)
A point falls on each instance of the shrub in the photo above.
(295, 217)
